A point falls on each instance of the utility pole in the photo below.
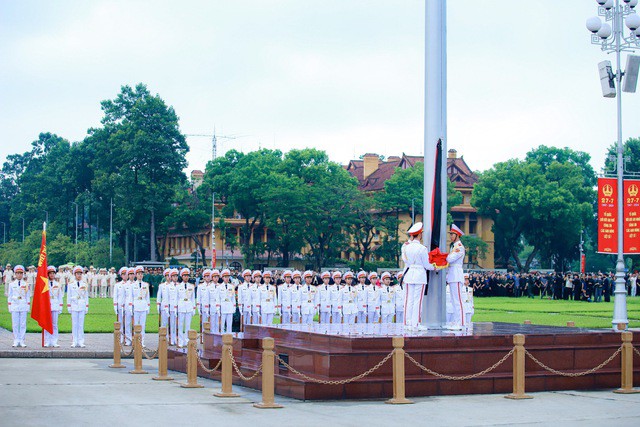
(213, 230)
(111, 230)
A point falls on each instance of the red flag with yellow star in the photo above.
(41, 305)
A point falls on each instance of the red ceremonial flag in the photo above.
(41, 306)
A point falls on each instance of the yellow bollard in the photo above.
(571, 324)
(116, 347)
(192, 362)
(626, 372)
(162, 356)
(518, 369)
(398, 373)
(226, 378)
(137, 351)
(268, 380)
(527, 322)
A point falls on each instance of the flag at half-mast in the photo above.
(41, 305)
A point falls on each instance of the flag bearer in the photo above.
(18, 298)
(268, 299)
(227, 296)
(78, 306)
(455, 278)
(416, 260)
(141, 300)
(56, 295)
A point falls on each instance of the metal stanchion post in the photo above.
(192, 362)
(268, 373)
(116, 347)
(137, 351)
(398, 373)
(626, 372)
(226, 378)
(518, 369)
(162, 356)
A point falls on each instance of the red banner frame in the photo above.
(631, 215)
(608, 215)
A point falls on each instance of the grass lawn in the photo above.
(493, 309)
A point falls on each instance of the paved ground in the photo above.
(49, 392)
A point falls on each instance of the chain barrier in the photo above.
(154, 353)
(574, 374)
(235, 367)
(207, 370)
(636, 350)
(462, 377)
(122, 352)
(335, 382)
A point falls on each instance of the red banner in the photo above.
(607, 215)
(631, 216)
(214, 258)
(41, 307)
(583, 263)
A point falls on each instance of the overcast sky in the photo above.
(345, 76)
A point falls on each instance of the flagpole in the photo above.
(44, 230)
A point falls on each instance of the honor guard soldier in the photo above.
(349, 299)
(171, 291)
(284, 298)
(56, 296)
(296, 297)
(308, 298)
(7, 277)
(103, 282)
(387, 298)
(455, 277)
(214, 294)
(186, 306)
(335, 297)
(141, 300)
(268, 299)
(468, 301)
(324, 298)
(227, 296)
(119, 298)
(31, 277)
(162, 299)
(373, 299)
(416, 261)
(399, 299)
(202, 298)
(361, 297)
(112, 278)
(244, 297)
(254, 291)
(18, 299)
(92, 282)
(128, 306)
(78, 306)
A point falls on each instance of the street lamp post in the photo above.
(413, 211)
(75, 223)
(611, 39)
(111, 230)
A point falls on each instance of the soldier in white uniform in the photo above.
(335, 297)
(119, 299)
(468, 301)
(254, 291)
(141, 300)
(349, 300)
(112, 277)
(103, 282)
(361, 297)
(455, 278)
(7, 278)
(213, 291)
(268, 299)
(416, 261)
(308, 299)
(18, 299)
(171, 291)
(162, 300)
(324, 298)
(296, 297)
(186, 306)
(400, 297)
(202, 298)
(244, 297)
(373, 299)
(56, 297)
(78, 306)
(91, 281)
(387, 298)
(227, 296)
(284, 298)
(31, 277)
(128, 306)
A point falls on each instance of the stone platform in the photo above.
(335, 352)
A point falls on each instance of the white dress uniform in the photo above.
(400, 295)
(349, 304)
(103, 283)
(90, 278)
(361, 302)
(128, 312)
(7, 277)
(162, 304)
(324, 302)
(387, 303)
(186, 308)
(202, 303)
(227, 295)
(268, 303)
(284, 302)
(296, 302)
(111, 282)
(141, 305)
(416, 260)
(31, 278)
(308, 303)
(244, 301)
(213, 305)
(469, 308)
(171, 292)
(18, 299)
(119, 301)
(335, 298)
(254, 292)
(78, 306)
(455, 279)
(56, 297)
(448, 305)
(373, 304)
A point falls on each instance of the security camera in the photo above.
(607, 79)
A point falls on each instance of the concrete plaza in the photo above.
(73, 392)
